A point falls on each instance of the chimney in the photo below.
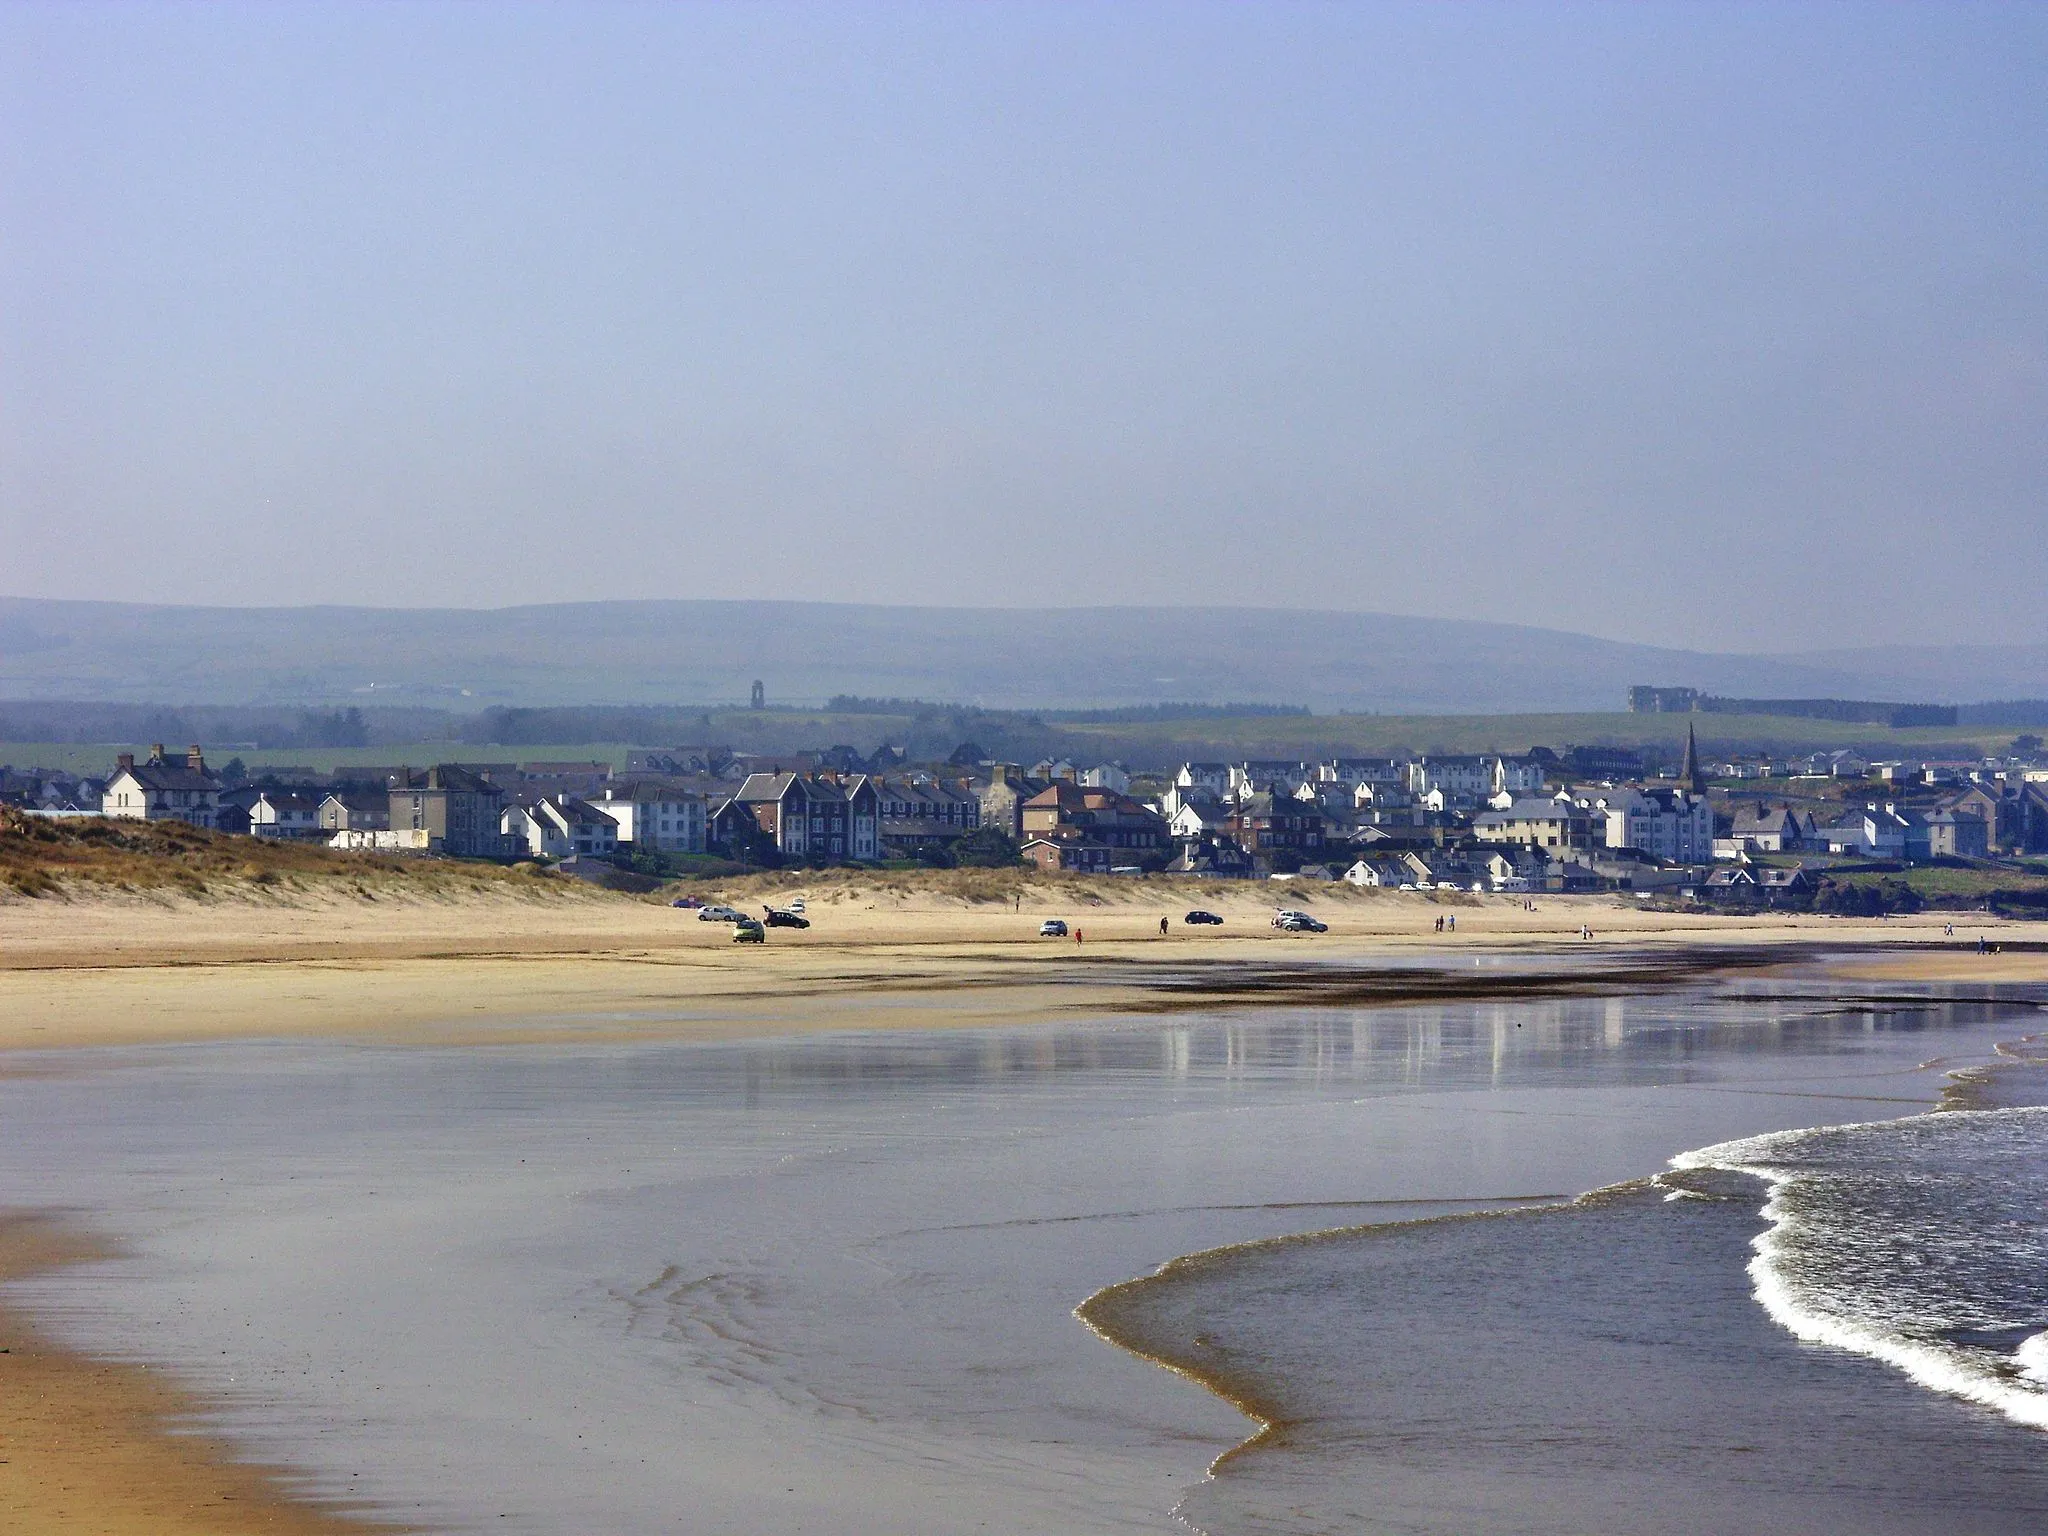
(125, 760)
(194, 759)
(999, 773)
(156, 752)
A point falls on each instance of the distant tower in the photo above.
(1689, 771)
(760, 695)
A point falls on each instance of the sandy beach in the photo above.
(124, 971)
(89, 1447)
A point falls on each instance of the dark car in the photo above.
(780, 919)
(1199, 918)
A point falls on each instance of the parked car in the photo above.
(778, 919)
(1286, 915)
(1052, 928)
(1201, 918)
(686, 902)
(1301, 922)
(798, 907)
(723, 915)
(747, 931)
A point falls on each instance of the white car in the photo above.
(797, 907)
(722, 915)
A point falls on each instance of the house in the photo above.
(560, 827)
(1079, 855)
(1383, 872)
(1770, 829)
(1608, 764)
(163, 789)
(1469, 779)
(1957, 835)
(1107, 776)
(1358, 772)
(1513, 869)
(921, 813)
(1197, 816)
(1428, 868)
(349, 811)
(1518, 776)
(1669, 825)
(284, 813)
(1758, 884)
(2001, 809)
(1002, 799)
(1257, 776)
(1266, 825)
(1877, 832)
(1536, 824)
(1064, 812)
(653, 816)
(1218, 856)
(811, 816)
(449, 809)
(1214, 777)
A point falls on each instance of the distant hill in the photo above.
(709, 652)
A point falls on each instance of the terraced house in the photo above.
(449, 809)
(807, 817)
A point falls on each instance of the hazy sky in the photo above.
(1713, 324)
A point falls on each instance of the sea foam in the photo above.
(1916, 1242)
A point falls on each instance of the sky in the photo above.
(1710, 325)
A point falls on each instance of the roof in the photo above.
(1530, 809)
(452, 777)
(289, 800)
(169, 776)
(578, 813)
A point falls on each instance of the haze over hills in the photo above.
(709, 651)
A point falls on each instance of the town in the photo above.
(1831, 829)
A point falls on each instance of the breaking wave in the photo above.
(1919, 1242)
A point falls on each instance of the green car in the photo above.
(749, 932)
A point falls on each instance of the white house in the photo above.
(1379, 872)
(163, 789)
(1213, 777)
(1107, 776)
(1669, 825)
(561, 826)
(1460, 778)
(655, 817)
(284, 813)
(1198, 817)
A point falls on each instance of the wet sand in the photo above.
(88, 1443)
(117, 972)
(89, 1446)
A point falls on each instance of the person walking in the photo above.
(1452, 922)
(1162, 928)
(1077, 935)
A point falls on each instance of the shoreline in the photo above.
(103, 1444)
(123, 972)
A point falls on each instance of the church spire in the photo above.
(1689, 771)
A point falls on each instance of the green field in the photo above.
(1142, 743)
(1383, 735)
